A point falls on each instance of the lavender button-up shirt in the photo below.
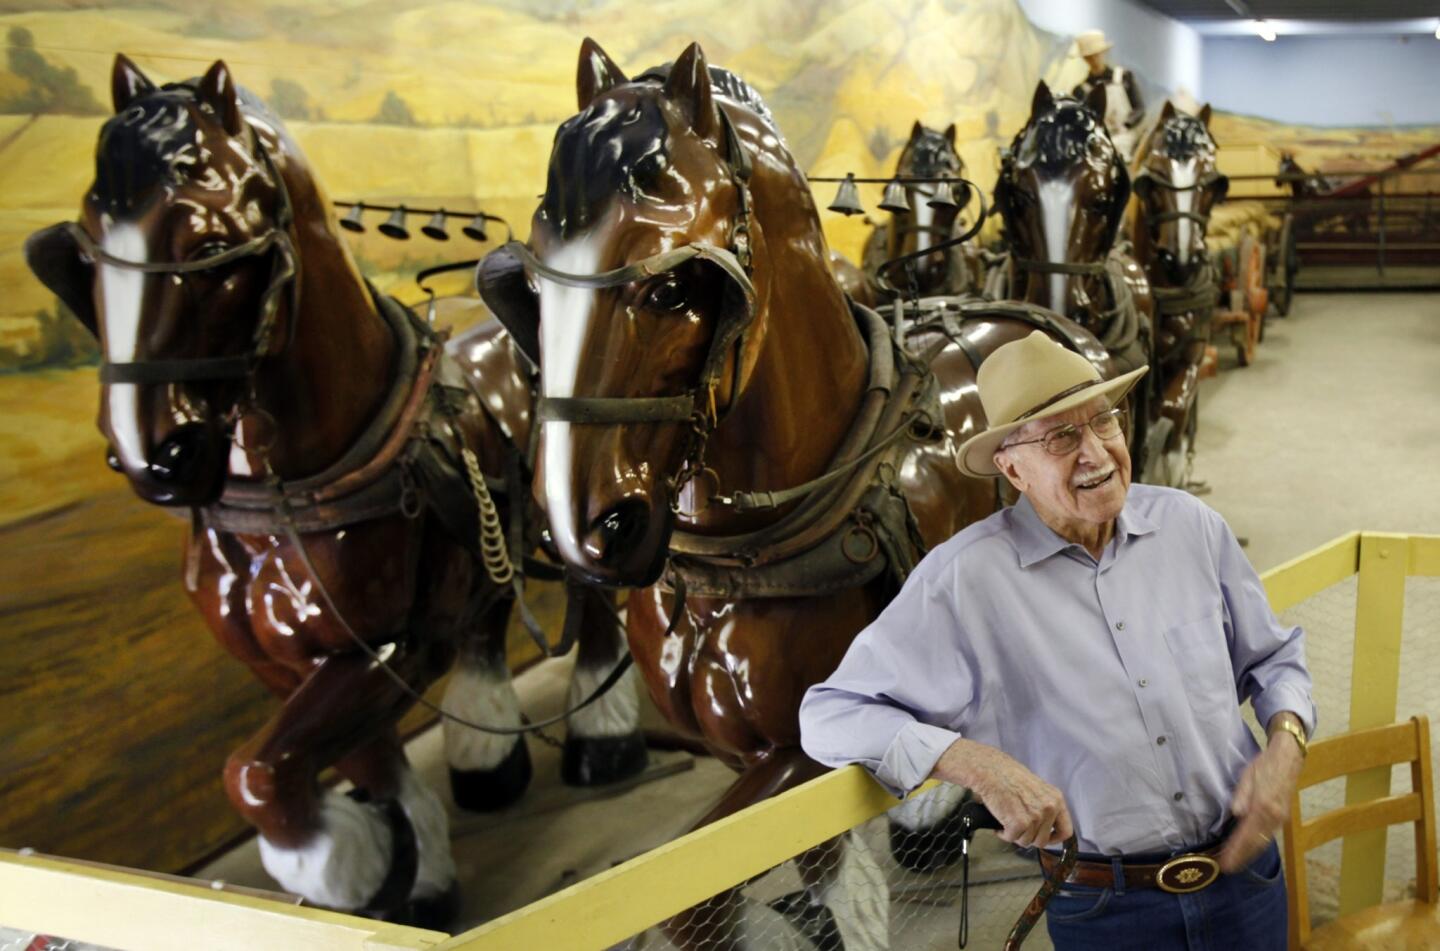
(1119, 683)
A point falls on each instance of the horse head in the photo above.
(1062, 192)
(1177, 185)
(177, 265)
(639, 259)
(930, 153)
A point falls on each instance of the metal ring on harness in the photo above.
(269, 426)
(863, 531)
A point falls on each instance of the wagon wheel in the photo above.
(1286, 264)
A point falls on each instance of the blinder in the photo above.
(53, 255)
(505, 287)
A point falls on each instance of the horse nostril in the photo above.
(618, 532)
(175, 459)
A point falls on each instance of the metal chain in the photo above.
(493, 550)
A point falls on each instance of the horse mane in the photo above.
(582, 178)
(725, 83)
(1058, 138)
(152, 142)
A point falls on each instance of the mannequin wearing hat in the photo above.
(1078, 661)
(1124, 109)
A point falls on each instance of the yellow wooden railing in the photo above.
(132, 911)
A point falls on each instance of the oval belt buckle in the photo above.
(1187, 873)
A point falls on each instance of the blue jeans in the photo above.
(1241, 911)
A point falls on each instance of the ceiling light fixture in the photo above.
(1266, 32)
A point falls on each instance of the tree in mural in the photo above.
(289, 99)
(48, 88)
(394, 110)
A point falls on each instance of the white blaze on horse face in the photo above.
(1057, 212)
(924, 217)
(565, 314)
(1182, 175)
(122, 290)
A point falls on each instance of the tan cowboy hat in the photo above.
(1091, 42)
(1031, 379)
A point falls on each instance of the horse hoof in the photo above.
(927, 849)
(814, 921)
(598, 760)
(486, 790)
(436, 913)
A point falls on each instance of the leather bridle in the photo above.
(284, 271)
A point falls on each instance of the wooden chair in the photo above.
(1398, 925)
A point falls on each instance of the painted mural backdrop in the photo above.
(423, 102)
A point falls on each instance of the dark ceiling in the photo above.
(1357, 10)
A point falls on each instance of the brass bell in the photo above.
(351, 221)
(943, 199)
(435, 227)
(847, 198)
(394, 226)
(475, 228)
(895, 199)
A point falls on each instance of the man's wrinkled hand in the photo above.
(1032, 811)
(1261, 803)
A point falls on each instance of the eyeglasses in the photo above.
(1063, 440)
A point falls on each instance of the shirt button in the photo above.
(1160, 741)
(1119, 625)
(1179, 796)
(1143, 682)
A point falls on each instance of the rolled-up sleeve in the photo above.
(1268, 657)
(895, 702)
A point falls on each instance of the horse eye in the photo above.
(667, 295)
(207, 250)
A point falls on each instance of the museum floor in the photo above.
(1332, 429)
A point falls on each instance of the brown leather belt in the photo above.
(1180, 875)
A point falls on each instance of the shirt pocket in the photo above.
(1202, 659)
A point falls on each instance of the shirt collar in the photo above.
(1035, 541)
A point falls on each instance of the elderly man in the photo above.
(1078, 661)
(1124, 109)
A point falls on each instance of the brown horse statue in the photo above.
(1062, 192)
(928, 153)
(1177, 184)
(724, 431)
(344, 474)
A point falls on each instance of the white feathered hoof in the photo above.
(603, 742)
(488, 790)
(343, 864)
(488, 771)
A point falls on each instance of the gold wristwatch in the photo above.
(1297, 731)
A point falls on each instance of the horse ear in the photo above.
(916, 130)
(597, 74)
(127, 83)
(1096, 100)
(1167, 112)
(1044, 100)
(54, 258)
(689, 85)
(950, 134)
(217, 90)
(1205, 114)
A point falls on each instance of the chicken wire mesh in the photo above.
(885, 889)
(892, 882)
